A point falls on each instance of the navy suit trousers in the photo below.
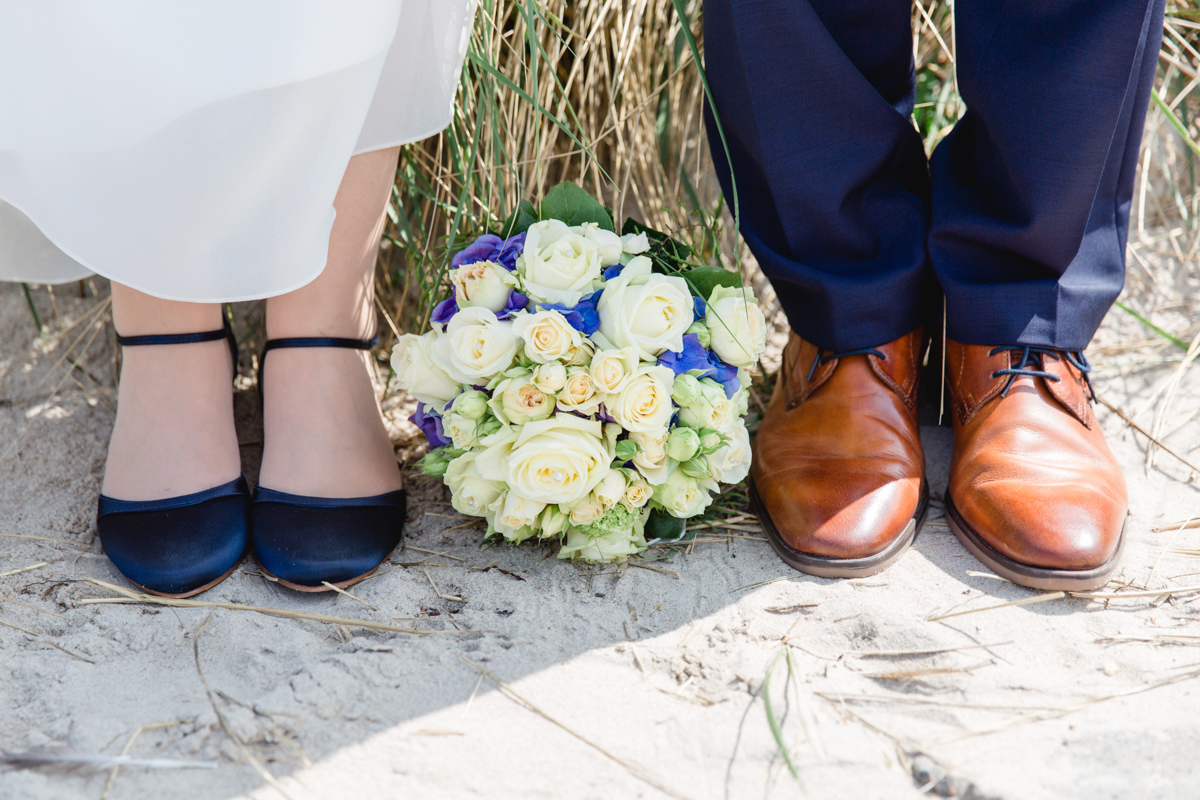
(1021, 214)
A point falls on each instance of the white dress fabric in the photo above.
(192, 151)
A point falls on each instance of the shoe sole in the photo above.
(841, 567)
(193, 592)
(300, 587)
(1023, 574)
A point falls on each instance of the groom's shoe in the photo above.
(1034, 491)
(838, 478)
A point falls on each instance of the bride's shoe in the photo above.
(307, 542)
(178, 546)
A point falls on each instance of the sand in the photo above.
(620, 682)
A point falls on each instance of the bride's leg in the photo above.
(322, 430)
(174, 432)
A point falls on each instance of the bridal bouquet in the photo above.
(584, 386)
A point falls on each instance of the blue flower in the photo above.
(700, 307)
(705, 363)
(613, 271)
(582, 316)
(444, 310)
(491, 247)
(431, 426)
(516, 302)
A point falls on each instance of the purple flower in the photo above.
(516, 302)
(582, 316)
(491, 247)
(431, 426)
(705, 362)
(444, 310)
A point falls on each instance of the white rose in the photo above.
(711, 410)
(558, 264)
(637, 493)
(547, 335)
(607, 243)
(515, 512)
(483, 284)
(417, 371)
(516, 401)
(646, 310)
(645, 402)
(652, 460)
(612, 369)
(460, 429)
(684, 497)
(558, 460)
(610, 490)
(471, 493)
(586, 511)
(476, 346)
(737, 326)
(579, 393)
(731, 464)
(635, 243)
(581, 354)
(615, 546)
(550, 377)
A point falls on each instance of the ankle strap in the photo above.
(225, 332)
(309, 341)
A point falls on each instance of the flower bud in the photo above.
(683, 443)
(702, 333)
(550, 377)
(696, 468)
(686, 390)
(471, 404)
(435, 461)
(626, 450)
(710, 440)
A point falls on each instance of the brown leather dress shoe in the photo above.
(838, 478)
(1034, 491)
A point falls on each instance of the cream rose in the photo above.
(646, 310)
(616, 546)
(586, 511)
(608, 244)
(610, 490)
(731, 464)
(558, 460)
(580, 355)
(711, 409)
(579, 393)
(483, 284)
(515, 512)
(516, 401)
(460, 429)
(637, 493)
(550, 377)
(645, 402)
(652, 460)
(684, 497)
(737, 326)
(611, 370)
(476, 346)
(470, 492)
(547, 335)
(417, 371)
(559, 264)
(635, 243)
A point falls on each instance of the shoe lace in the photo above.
(825, 359)
(1032, 364)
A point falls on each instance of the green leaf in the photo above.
(519, 220)
(662, 527)
(574, 206)
(669, 254)
(702, 280)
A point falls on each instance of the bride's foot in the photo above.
(174, 432)
(323, 433)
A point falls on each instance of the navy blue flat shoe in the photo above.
(177, 546)
(305, 543)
